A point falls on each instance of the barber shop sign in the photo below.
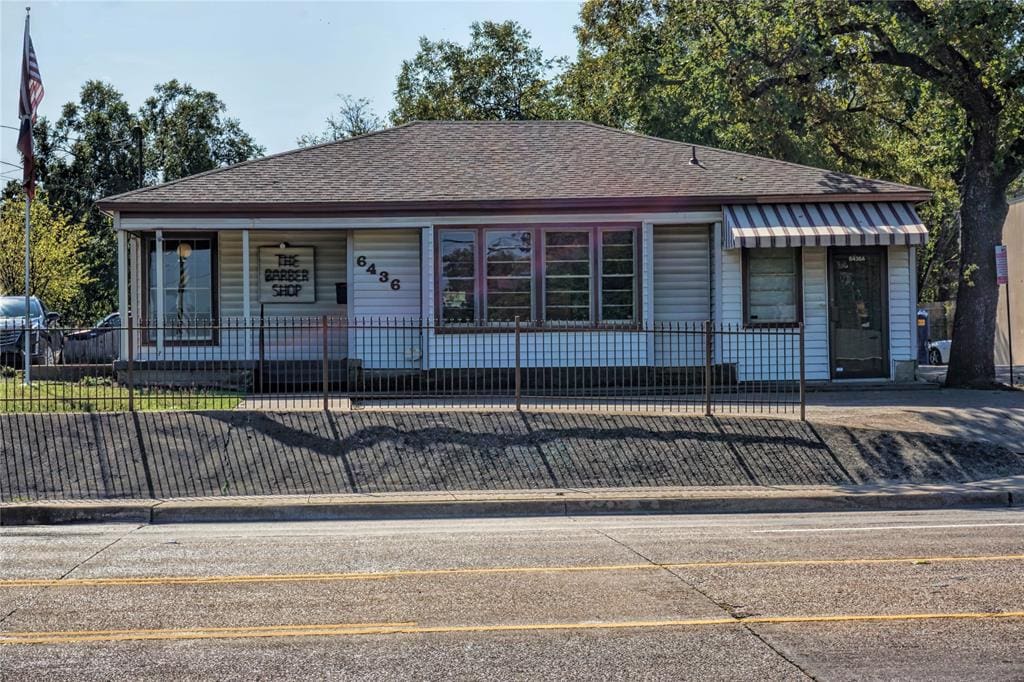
(287, 274)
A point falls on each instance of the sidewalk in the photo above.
(983, 416)
(1007, 492)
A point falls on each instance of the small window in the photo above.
(458, 276)
(188, 287)
(618, 276)
(509, 266)
(567, 276)
(772, 286)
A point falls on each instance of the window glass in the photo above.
(509, 268)
(458, 276)
(567, 276)
(772, 285)
(188, 287)
(618, 276)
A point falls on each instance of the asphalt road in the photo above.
(925, 595)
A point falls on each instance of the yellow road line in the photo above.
(383, 575)
(348, 629)
(209, 629)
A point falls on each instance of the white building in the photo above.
(591, 236)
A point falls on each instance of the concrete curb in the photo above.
(496, 505)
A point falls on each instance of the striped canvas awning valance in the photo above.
(823, 224)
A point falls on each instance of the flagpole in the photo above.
(28, 247)
(28, 294)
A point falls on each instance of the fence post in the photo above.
(519, 394)
(260, 354)
(131, 362)
(803, 379)
(323, 325)
(707, 368)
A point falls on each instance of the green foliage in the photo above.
(86, 154)
(58, 270)
(498, 76)
(354, 117)
(187, 133)
(847, 86)
(924, 92)
(89, 152)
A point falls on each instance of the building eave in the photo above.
(406, 208)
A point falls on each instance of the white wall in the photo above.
(901, 308)
(292, 343)
(773, 355)
(682, 292)
(815, 282)
(376, 303)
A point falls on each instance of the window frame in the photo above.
(439, 276)
(747, 323)
(538, 275)
(148, 240)
(540, 312)
(480, 314)
(598, 301)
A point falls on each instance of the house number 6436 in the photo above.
(382, 276)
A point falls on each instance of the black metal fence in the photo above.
(336, 363)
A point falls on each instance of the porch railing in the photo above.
(329, 362)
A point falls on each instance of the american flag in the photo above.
(31, 96)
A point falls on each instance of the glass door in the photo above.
(858, 319)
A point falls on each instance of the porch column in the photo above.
(427, 294)
(246, 297)
(647, 288)
(122, 285)
(160, 319)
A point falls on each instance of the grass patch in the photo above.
(102, 394)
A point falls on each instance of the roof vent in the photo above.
(693, 155)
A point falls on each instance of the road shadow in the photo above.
(192, 454)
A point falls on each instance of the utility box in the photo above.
(922, 336)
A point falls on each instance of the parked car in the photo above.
(100, 344)
(938, 352)
(46, 339)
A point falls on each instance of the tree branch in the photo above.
(769, 83)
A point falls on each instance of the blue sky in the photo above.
(277, 65)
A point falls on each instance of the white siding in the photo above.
(815, 281)
(539, 349)
(682, 292)
(396, 252)
(901, 319)
(305, 343)
(770, 354)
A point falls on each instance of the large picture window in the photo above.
(772, 287)
(188, 294)
(509, 264)
(559, 274)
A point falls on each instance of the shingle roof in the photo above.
(450, 162)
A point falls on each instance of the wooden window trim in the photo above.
(149, 338)
(480, 314)
(799, 294)
(538, 231)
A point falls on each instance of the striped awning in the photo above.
(823, 224)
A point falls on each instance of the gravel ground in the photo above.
(180, 454)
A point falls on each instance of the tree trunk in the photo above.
(983, 210)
